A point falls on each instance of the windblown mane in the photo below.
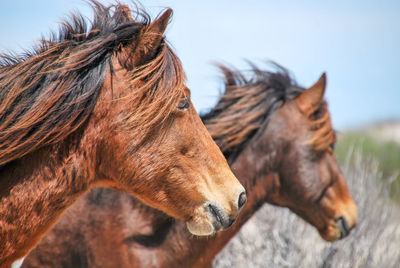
(247, 104)
(250, 100)
(48, 93)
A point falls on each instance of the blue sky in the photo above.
(356, 42)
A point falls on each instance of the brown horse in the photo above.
(277, 137)
(105, 107)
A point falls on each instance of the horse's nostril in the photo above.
(242, 200)
(343, 226)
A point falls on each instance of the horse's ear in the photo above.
(156, 29)
(148, 42)
(151, 38)
(312, 97)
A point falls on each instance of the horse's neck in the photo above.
(34, 192)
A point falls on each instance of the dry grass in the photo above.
(275, 237)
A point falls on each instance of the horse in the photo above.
(105, 106)
(278, 139)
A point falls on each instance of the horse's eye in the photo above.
(332, 145)
(183, 104)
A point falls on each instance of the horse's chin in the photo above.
(335, 230)
(201, 223)
(203, 229)
(331, 236)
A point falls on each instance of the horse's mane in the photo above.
(48, 93)
(246, 104)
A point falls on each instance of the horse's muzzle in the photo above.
(220, 218)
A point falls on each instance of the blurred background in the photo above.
(356, 42)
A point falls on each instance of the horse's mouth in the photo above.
(337, 228)
(343, 227)
(221, 220)
(210, 219)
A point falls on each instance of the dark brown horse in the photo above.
(107, 107)
(279, 142)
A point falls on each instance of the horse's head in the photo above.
(308, 179)
(152, 141)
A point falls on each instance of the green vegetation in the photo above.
(386, 152)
